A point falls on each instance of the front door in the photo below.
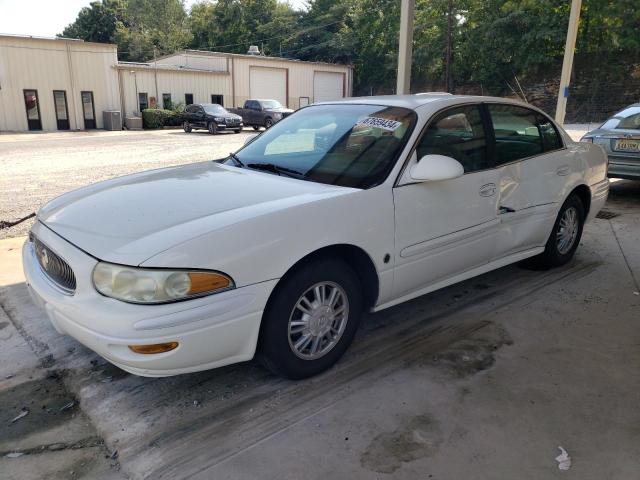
(444, 228)
(62, 110)
(32, 106)
(88, 110)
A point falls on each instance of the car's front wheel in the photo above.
(212, 127)
(268, 123)
(565, 236)
(256, 128)
(311, 319)
(237, 130)
(186, 126)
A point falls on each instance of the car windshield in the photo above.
(270, 104)
(346, 145)
(214, 109)
(627, 119)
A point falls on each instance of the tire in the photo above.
(212, 127)
(268, 123)
(238, 130)
(256, 127)
(284, 325)
(561, 248)
(186, 126)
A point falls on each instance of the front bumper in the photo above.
(225, 126)
(211, 331)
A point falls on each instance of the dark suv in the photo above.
(210, 116)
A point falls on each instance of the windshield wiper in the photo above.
(236, 160)
(272, 167)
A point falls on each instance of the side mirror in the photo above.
(433, 168)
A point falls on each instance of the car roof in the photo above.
(419, 99)
(208, 104)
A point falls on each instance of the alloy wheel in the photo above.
(318, 320)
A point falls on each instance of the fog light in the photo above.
(155, 348)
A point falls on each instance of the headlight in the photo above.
(587, 139)
(277, 115)
(146, 285)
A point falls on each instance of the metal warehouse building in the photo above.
(63, 84)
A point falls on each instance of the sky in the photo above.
(46, 18)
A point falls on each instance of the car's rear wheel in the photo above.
(311, 319)
(186, 126)
(565, 236)
(212, 127)
(268, 123)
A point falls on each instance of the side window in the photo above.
(517, 133)
(550, 137)
(189, 109)
(457, 133)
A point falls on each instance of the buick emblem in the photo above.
(45, 258)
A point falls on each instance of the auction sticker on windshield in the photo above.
(383, 123)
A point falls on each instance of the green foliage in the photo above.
(495, 43)
(153, 118)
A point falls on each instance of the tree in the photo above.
(97, 22)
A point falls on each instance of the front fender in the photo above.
(263, 248)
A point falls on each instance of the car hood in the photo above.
(130, 219)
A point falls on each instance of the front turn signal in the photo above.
(154, 348)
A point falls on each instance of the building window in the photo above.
(188, 98)
(32, 106)
(219, 99)
(166, 101)
(143, 101)
(62, 110)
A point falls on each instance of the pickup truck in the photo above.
(261, 113)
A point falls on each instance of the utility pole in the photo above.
(567, 62)
(447, 63)
(405, 47)
(155, 74)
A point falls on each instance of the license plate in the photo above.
(625, 145)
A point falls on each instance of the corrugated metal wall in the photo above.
(47, 65)
(202, 85)
(300, 77)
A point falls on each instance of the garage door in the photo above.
(267, 83)
(327, 86)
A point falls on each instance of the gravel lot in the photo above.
(38, 167)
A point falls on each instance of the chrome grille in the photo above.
(54, 267)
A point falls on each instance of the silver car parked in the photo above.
(620, 138)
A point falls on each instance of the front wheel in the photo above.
(186, 127)
(565, 236)
(256, 128)
(213, 128)
(268, 123)
(237, 130)
(311, 319)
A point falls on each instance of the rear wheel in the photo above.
(213, 128)
(311, 319)
(565, 236)
(186, 126)
(268, 123)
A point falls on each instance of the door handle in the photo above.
(563, 170)
(488, 190)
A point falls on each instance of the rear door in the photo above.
(534, 170)
(444, 228)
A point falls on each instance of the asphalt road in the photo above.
(38, 167)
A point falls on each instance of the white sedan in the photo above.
(276, 250)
